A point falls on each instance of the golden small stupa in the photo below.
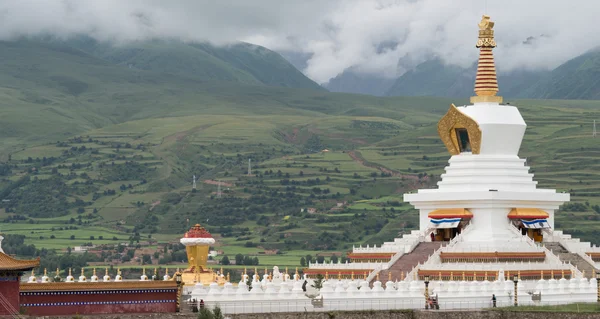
(197, 242)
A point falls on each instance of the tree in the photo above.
(239, 259)
(303, 262)
(334, 259)
(92, 238)
(225, 261)
(72, 237)
(318, 282)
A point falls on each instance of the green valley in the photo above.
(95, 152)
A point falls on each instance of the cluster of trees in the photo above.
(241, 260)
(304, 261)
(41, 198)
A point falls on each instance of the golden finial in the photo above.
(106, 271)
(286, 272)
(352, 275)
(57, 272)
(270, 276)
(326, 275)
(339, 275)
(45, 272)
(542, 274)
(463, 276)
(486, 83)
(222, 271)
(266, 270)
(519, 274)
(166, 271)
(451, 276)
(389, 276)
(32, 272)
(119, 271)
(255, 271)
(82, 271)
(552, 274)
(486, 277)
(440, 276)
(144, 271)
(508, 275)
(228, 277)
(402, 275)
(94, 271)
(562, 273)
(70, 272)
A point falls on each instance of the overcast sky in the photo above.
(369, 36)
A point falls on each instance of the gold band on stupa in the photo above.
(486, 82)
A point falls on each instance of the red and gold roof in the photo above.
(197, 231)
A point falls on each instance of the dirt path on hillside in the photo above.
(160, 152)
(213, 182)
(415, 181)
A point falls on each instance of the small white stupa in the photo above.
(70, 277)
(106, 277)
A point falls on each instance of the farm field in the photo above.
(317, 185)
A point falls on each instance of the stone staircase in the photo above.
(575, 260)
(408, 261)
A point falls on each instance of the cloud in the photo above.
(380, 37)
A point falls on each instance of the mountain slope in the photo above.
(351, 82)
(242, 63)
(578, 78)
(434, 78)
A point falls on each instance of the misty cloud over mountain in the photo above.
(383, 38)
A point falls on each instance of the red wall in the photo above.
(53, 303)
(9, 289)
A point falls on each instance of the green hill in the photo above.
(93, 151)
(241, 63)
(578, 78)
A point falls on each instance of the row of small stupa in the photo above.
(106, 278)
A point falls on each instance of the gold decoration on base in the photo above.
(455, 119)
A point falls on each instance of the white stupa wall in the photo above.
(502, 127)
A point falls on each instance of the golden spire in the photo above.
(486, 83)
(45, 272)
(94, 272)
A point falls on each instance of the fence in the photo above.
(324, 305)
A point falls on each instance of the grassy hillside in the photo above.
(241, 63)
(93, 152)
(578, 78)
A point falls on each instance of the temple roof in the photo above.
(9, 263)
